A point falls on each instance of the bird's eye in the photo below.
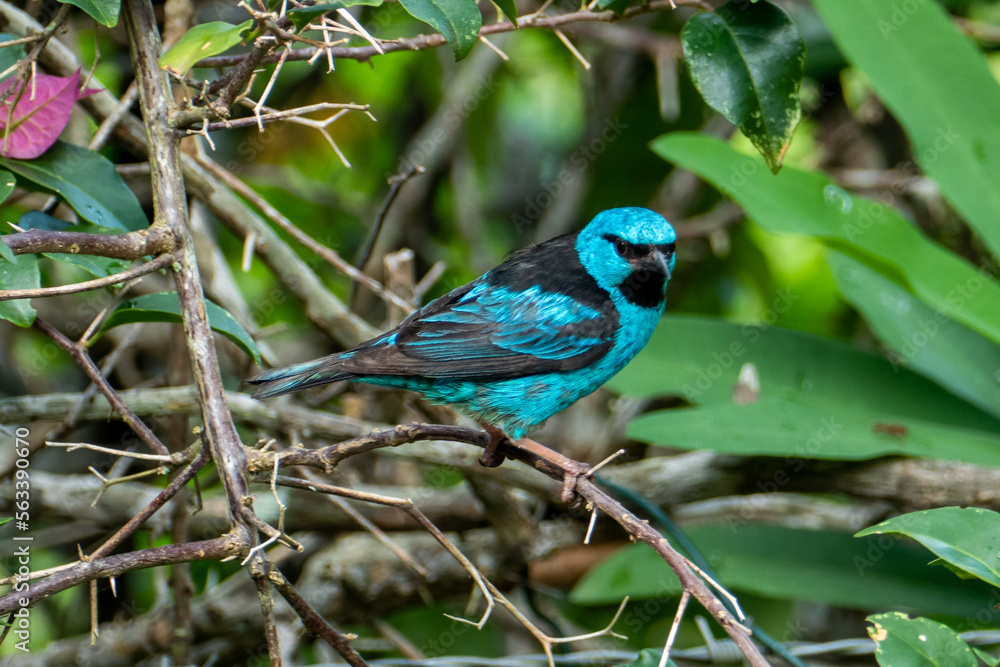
(622, 248)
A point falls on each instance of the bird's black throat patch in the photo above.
(644, 288)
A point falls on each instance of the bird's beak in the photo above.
(657, 261)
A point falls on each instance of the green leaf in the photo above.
(166, 307)
(22, 273)
(650, 657)
(804, 202)
(509, 8)
(798, 430)
(7, 180)
(988, 660)
(968, 538)
(901, 641)
(747, 61)
(301, 16)
(927, 340)
(9, 55)
(202, 41)
(5, 252)
(700, 357)
(104, 12)
(910, 57)
(87, 181)
(458, 21)
(792, 564)
(5, 520)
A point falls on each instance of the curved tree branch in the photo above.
(131, 246)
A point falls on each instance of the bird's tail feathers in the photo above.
(293, 378)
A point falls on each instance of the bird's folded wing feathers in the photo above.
(486, 332)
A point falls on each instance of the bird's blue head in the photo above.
(629, 251)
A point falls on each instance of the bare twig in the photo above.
(395, 184)
(430, 41)
(314, 622)
(114, 566)
(130, 274)
(328, 255)
(82, 357)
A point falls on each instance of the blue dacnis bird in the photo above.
(530, 337)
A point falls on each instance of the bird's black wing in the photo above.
(540, 311)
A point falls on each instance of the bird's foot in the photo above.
(574, 470)
(492, 457)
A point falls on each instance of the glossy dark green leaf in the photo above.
(940, 88)
(901, 641)
(458, 21)
(202, 41)
(747, 61)
(699, 358)
(924, 339)
(804, 202)
(9, 55)
(104, 12)
(793, 564)
(797, 430)
(22, 273)
(301, 16)
(87, 181)
(968, 538)
(165, 307)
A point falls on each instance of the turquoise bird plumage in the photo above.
(527, 339)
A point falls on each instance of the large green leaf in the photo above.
(458, 21)
(939, 86)
(202, 41)
(699, 358)
(165, 307)
(805, 202)
(87, 181)
(22, 273)
(901, 641)
(967, 538)
(786, 563)
(927, 340)
(104, 12)
(799, 430)
(747, 62)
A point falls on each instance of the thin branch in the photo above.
(159, 501)
(170, 208)
(330, 256)
(430, 41)
(135, 272)
(314, 622)
(164, 458)
(82, 357)
(395, 185)
(115, 566)
(131, 246)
